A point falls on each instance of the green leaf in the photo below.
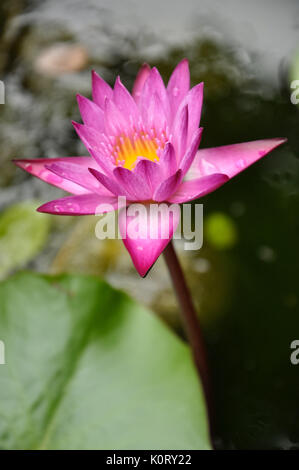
(88, 368)
(23, 233)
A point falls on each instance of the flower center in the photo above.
(127, 149)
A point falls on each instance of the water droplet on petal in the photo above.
(50, 177)
(175, 91)
(241, 163)
(96, 184)
(28, 167)
(73, 207)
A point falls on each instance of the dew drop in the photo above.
(73, 207)
(241, 163)
(50, 177)
(28, 167)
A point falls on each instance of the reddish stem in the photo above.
(190, 320)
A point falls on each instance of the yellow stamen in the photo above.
(127, 149)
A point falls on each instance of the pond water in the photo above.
(245, 277)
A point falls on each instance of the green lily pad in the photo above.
(88, 368)
(23, 233)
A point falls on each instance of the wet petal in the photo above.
(191, 151)
(37, 167)
(168, 187)
(124, 102)
(78, 174)
(115, 122)
(154, 84)
(180, 131)
(155, 117)
(132, 184)
(92, 138)
(86, 204)
(100, 90)
(92, 115)
(104, 161)
(109, 183)
(193, 100)
(146, 230)
(195, 188)
(150, 173)
(179, 84)
(168, 160)
(231, 159)
(142, 75)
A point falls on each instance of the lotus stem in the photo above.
(190, 321)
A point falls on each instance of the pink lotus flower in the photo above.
(143, 146)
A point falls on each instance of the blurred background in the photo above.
(245, 277)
